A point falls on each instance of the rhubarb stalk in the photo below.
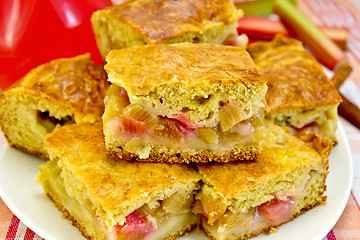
(337, 35)
(347, 109)
(257, 7)
(342, 72)
(261, 28)
(326, 51)
(350, 112)
(265, 28)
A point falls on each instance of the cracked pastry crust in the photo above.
(183, 102)
(61, 92)
(242, 199)
(102, 197)
(300, 94)
(164, 21)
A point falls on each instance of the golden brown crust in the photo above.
(185, 79)
(157, 21)
(281, 153)
(286, 166)
(76, 83)
(246, 154)
(111, 183)
(68, 90)
(295, 79)
(183, 64)
(322, 145)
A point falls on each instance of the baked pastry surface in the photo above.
(61, 92)
(180, 100)
(243, 199)
(143, 22)
(109, 199)
(300, 94)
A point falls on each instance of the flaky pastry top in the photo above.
(118, 187)
(281, 154)
(294, 77)
(75, 82)
(142, 69)
(159, 20)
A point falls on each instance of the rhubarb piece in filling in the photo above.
(61, 92)
(300, 94)
(145, 22)
(183, 103)
(116, 200)
(252, 197)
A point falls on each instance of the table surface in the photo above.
(344, 13)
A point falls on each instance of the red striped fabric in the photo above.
(356, 202)
(12, 228)
(29, 235)
(331, 235)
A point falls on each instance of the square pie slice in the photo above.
(300, 94)
(143, 22)
(183, 102)
(108, 199)
(61, 92)
(243, 199)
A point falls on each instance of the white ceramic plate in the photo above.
(27, 201)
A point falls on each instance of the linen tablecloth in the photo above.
(341, 13)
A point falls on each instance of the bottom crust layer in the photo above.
(156, 155)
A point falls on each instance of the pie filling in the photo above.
(219, 219)
(255, 220)
(153, 220)
(326, 130)
(50, 123)
(323, 121)
(161, 219)
(137, 129)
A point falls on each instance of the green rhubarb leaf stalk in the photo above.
(257, 7)
(325, 50)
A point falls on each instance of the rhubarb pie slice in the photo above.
(183, 103)
(243, 199)
(61, 92)
(143, 22)
(108, 199)
(300, 94)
